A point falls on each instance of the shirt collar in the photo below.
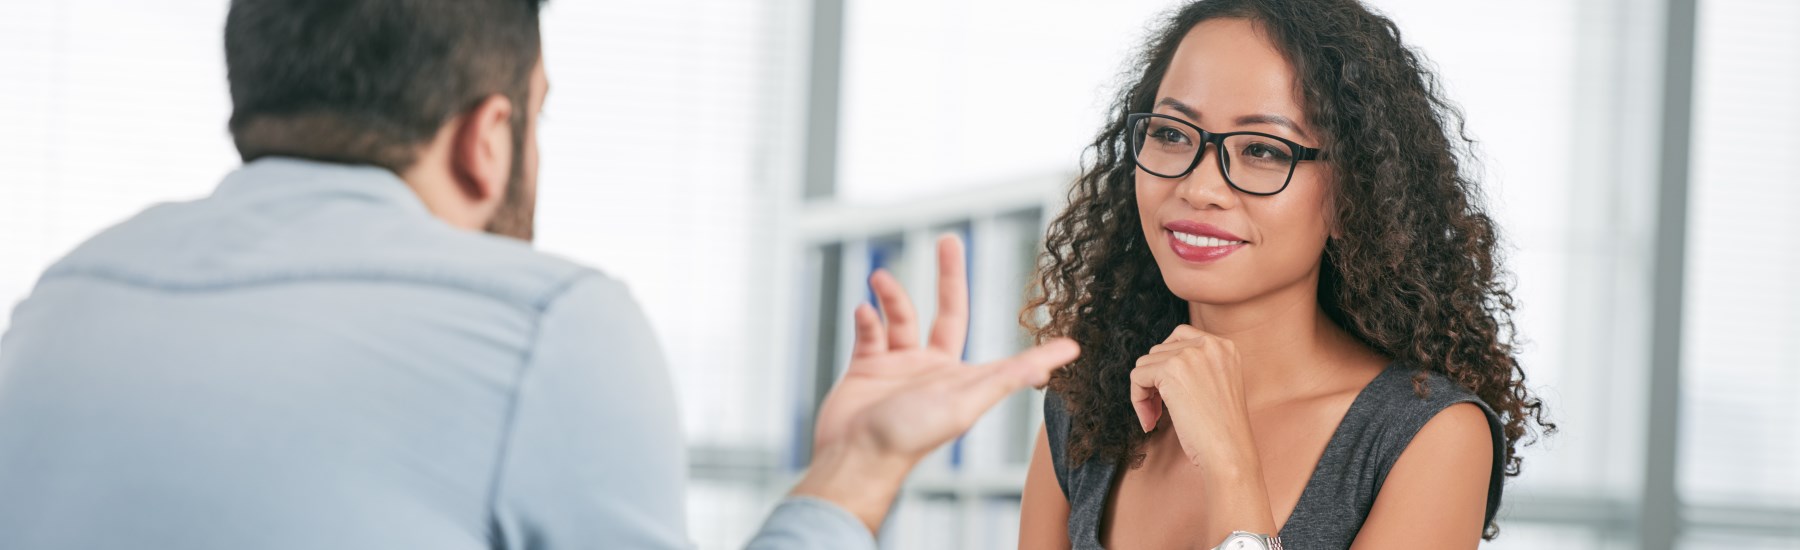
(291, 177)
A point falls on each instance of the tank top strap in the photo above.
(1380, 424)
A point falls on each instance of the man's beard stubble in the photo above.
(517, 214)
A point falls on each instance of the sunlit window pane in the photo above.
(1740, 436)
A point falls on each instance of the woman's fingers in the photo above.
(902, 322)
(1186, 336)
(871, 339)
(1190, 361)
(1184, 331)
(1183, 336)
(1146, 400)
(1146, 376)
(951, 328)
(1157, 356)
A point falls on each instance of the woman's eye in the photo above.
(1168, 135)
(1264, 151)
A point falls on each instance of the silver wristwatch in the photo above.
(1245, 540)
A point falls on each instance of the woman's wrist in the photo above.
(1232, 482)
(1230, 450)
(1245, 508)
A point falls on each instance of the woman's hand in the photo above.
(1195, 378)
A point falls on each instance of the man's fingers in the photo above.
(1036, 364)
(870, 338)
(902, 321)
(951, 328)
(1032, 367)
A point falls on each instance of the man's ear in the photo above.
(482, 150)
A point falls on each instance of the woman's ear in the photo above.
(1334, 227)
(481, 152)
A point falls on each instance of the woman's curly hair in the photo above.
(1416, 276)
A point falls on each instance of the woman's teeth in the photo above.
(1203, 241)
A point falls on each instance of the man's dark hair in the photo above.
(370, 81)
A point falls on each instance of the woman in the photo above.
(1288, 298)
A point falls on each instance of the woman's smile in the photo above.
(1201, 243)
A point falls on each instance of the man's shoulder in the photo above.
(504, 267)
(201, 246)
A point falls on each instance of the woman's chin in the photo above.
(1210, 292)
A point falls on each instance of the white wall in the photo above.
(108, 106)
(940, 95)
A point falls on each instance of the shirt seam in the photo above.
(509, 421)
(537, 303)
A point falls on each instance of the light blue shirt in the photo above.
(309, 359)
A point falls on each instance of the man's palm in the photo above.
(900, 398)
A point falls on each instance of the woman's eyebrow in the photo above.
(1277, 120)
(1194, 115)
(1180, 107)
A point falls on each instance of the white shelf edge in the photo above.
(826, 221)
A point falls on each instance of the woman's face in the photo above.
(1226, 76)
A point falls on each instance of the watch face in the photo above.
(1244, 541)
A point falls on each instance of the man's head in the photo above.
(444, 93)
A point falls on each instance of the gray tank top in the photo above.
(1381, 421)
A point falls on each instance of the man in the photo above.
(349, 344)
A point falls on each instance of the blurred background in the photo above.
(1640, 156)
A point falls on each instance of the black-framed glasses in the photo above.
(1252, 162)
